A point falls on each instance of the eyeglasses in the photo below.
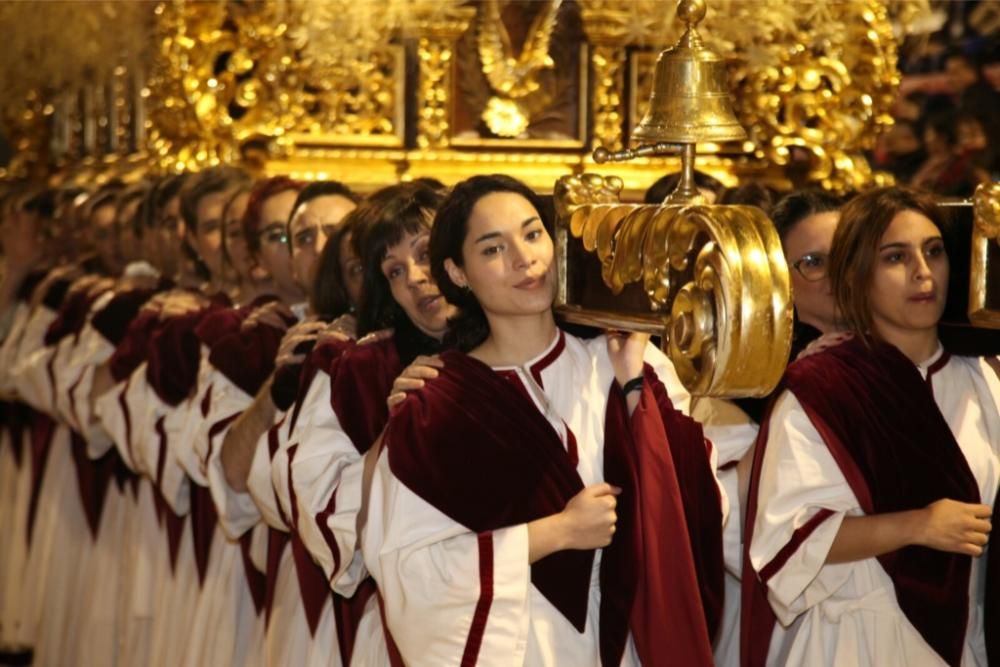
(274, 234)
(812, 267)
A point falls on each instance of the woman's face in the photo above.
(170, 231)
(508, 257)
(971, 135)
(273, 255)
(313, 223)
(351, 271)
(105, 237)
(234, 238)
(207, 239)
(910, 276)
(407, 268)
(807, 250)
(131, 245)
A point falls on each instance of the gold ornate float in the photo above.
(373, 92)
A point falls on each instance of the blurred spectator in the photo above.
(947, 170)
(659, 190)
(751, 193)
(972, 92)
(900, 151)
(977, 141)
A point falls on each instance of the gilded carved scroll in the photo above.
(713, 280)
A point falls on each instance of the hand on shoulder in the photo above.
(823, 342)
(413, 377)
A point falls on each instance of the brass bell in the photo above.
(690, 101)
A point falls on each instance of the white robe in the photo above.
(428, 566)
(227, 628)
(847, 613)
(16, 630)
(133, 416)
(323, 471)
(60, 553)
(288, 638)
(732, 432)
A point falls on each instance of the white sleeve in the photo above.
(170, 476)
(142, 427)
(434, 575)
(323, 480)
(74, 356)
(8, 351)
(802, 500)
(92, 351)
(259, 482)
(237, 511)
(30, 374)
(679, 396)
(731, 433)
(193, 428)
(114, 418)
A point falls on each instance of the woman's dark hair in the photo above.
(241, 189)
(751, 193)
(863, 222)
(137, 191)
(469, 327)
(797, 206)
(384, 218)
(208, 182)
(329, 297)
(158, 196)
(664, 185)
(945, 125)
(323, 189)
(260, 193)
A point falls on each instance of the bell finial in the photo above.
(691, 13)
(689, 104)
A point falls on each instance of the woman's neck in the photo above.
(918, 345)
(288, 295)
(513, 341)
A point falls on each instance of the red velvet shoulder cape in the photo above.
(879, 419)
(475, 447)
(361, 378)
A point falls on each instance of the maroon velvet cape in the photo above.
(113, 320)
(474, 446)
(880, 422)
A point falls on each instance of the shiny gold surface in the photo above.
(213, 80)
(715, 278)
(984, 273)
(513, 79)
(436, 34)
(690, 100)
(715, 281)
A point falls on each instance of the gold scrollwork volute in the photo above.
(718, 271)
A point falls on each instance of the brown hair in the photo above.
(863, 222)
(260, 193)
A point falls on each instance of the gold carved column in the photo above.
(436, 34)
